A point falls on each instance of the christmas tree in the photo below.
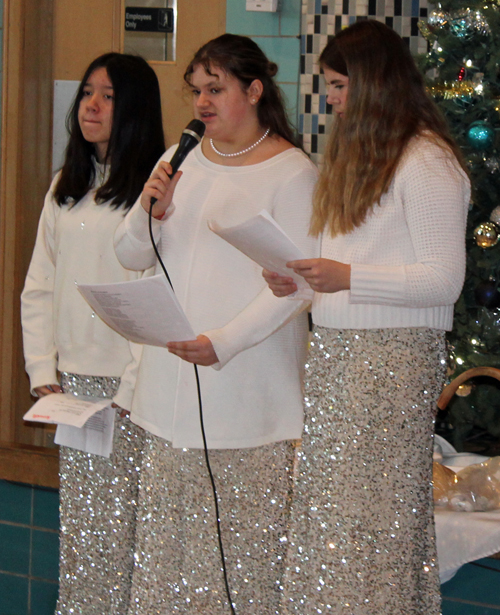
(463, 67)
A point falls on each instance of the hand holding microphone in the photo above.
(159, 189)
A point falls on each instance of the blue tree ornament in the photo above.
(480, 135)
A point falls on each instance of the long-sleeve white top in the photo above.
(253, 396)
(408, 257)
(74, 245)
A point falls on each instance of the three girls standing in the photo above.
(391, 207)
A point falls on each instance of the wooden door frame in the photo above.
(25, 169)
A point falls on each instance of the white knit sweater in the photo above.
(408, 257)
(253, 396)
(60, 330)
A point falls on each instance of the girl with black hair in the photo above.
(115, 137)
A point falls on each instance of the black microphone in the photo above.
(191, 136)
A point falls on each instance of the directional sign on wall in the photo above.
(141, 19)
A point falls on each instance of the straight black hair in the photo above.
(136, 142)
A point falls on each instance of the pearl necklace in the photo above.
(243, 151)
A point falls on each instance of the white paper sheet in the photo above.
(144, 311)
(265, 242)
(96, 436)
(63, 408)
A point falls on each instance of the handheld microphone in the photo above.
(191, 136)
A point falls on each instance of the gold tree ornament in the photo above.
(425, 31)
(486, 234)
(453, 90)
(437, 19)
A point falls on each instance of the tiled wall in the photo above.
(278, 34)
(323, 18)
(29, 544)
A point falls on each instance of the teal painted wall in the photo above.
(278, 34)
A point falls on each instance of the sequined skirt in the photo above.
(178, 566)
(98, 502)
(362, 536)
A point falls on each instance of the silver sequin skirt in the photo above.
(362, 538)
(98, 505)
(178, 566)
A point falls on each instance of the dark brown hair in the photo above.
(243, 59)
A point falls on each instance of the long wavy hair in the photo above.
(239, 57)
(387, 105)
(136, 142)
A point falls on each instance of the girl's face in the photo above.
(337, 86)
(95, 113)
(221, 104)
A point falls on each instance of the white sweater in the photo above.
(60, 330)
(253, 396)
(408, 257)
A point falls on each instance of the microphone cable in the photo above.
(202, 425)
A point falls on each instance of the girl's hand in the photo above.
(199, 351)
(47, 389)
(323, 275)
(280, 285)
(161, 187)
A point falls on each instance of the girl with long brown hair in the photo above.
(391, 207)
(250, 349)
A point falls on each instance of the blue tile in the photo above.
(15, 551)
(322, 103)
(290, 18)
(241, 21)
(45, 555)
(43, 598)
(285, 52)
(475, 584)
(46, 508)
(15, 502)
(14, 592)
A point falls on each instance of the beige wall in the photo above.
(85, 29)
